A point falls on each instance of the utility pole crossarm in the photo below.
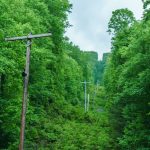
(29, 37)
(85, 82)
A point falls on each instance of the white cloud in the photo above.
(90, 18)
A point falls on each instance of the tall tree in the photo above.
(121, 19)
(127, 87)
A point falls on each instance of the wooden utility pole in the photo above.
(85, 101)
(25, 75)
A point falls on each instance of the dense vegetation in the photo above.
(118, 116)
(127, 81)
(55, 116)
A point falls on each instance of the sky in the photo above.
(89, 20)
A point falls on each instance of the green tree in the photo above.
(120, 20)
(127, 88)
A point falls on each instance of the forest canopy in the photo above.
(117, 110)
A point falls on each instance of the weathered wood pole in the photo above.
(25, 95)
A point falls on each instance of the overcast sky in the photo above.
(90, 19)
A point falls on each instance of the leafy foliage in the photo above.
(55, 117)
(121, 19)
(119, 110)
(127, 86)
